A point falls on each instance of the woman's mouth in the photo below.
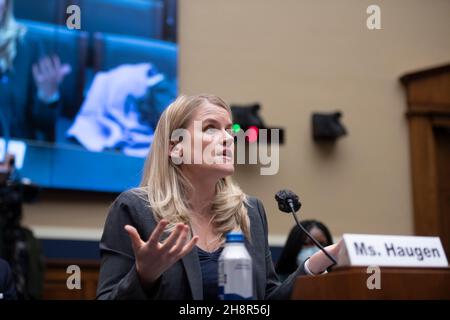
(226, 154)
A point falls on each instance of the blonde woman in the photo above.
(163, 240)
(29, 97)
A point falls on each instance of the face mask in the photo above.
(305, 253)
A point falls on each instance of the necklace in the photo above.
(210, 245)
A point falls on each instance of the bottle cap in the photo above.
(234, 237)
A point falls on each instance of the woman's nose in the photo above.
(227, 137)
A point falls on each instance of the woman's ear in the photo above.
(176, 153)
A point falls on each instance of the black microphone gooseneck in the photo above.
(288, 202)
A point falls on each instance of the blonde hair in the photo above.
(10, 32)
(166, 187)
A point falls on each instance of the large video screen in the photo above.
(82, 86)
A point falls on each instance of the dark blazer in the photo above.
(26, 116)
(183, 280)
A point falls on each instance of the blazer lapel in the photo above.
(194, 274)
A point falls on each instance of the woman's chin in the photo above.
(226, 169)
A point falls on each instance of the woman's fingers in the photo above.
(136, 240)
(37, 73)
(175, 244)
(336, 248)
(46, 66)
(56, 62)
(183, 237)
(157, 233)
(173, 238)
(188, 247)
(181, 241)
(64, 70)
(57, 68)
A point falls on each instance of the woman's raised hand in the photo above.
(48, 73)
(154, 257)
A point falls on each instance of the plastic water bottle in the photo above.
(235, 270)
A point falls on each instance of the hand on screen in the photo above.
(48, 73)
(154, 257)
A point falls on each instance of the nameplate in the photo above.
(392, 251)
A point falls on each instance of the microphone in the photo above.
(288, 202)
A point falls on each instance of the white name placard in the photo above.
(394, 251)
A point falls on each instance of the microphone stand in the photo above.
(317, 243)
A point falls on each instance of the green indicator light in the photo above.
(236, 127)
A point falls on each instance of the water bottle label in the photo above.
(235, 280)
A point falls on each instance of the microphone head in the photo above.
(283, 198)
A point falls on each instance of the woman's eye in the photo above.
(208, 128)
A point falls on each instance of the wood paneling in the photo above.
(442, 136)
(396, 284)
(428, 99)
(424, 177)
(428, 88)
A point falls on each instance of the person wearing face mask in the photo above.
(299, 248)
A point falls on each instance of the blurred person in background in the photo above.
(29, 81)
(299, 247)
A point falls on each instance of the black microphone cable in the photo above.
(288, 202)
